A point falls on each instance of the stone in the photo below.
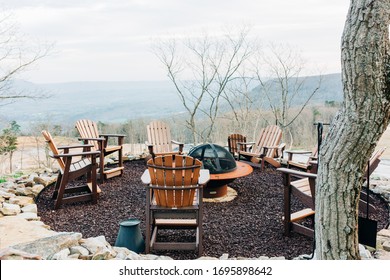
(164, 258)
(263, 258)
(29, 183)
(61, 255)
(41, 224)
(13, 254)
(32, 176)
(384, 233)
(80, 250)
(9, 185)
(133, 256)
(48, 246)
(73, 257)
(24, 191)
(382, 255)
(29, 216)
(21, 200)
(278, 258)
(6, 194)
(102, 254)
(30, 208)
(15, 230)
(224, 257)
(45, 180)
(120, 256)
(150, 257)
(36, 189)
(9, 209)
(364, 254)
(2, 199)
(98, 245)
(207, 258)
(386, 246)
(122, 250)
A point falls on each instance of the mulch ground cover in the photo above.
(249, 226)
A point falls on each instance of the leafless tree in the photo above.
(280, 72)
(243, 104)
(17, 53)
(201, 69)
(356, 130)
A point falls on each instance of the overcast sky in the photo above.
(110, 40)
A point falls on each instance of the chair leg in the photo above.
(101, 168)
(148, 223)
(120, 160)
(287, 204)
(61, 191)
(57, 186)
(92, 175)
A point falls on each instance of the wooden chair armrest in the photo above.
(204, 176)
(176, 142)
(145, 178)
(118, 136)
(148, 144)
(91, 139)
(297, 152)
(112, 135)
(75, 154)
(75, 146)
(297, 173)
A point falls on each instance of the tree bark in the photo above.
(355, 130)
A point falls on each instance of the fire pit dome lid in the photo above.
(215, 158)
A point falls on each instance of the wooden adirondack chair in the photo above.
(234, 147)
(304, 190)
(89, 134)
(159, 139)
(303, 165)
(267, 149)
(71, 170)
(174, 200)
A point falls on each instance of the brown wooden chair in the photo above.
(267, 149)
(174, 200)
(71, 170)
(304, 190)
(234, 147)
(89, 134)
(159, 139)
(302, 165)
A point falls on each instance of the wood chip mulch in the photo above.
(249, 226)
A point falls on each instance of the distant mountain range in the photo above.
(118, 101)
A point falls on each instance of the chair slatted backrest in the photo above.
(374, 161)
(88, 129)
(233, 140)
(176, 177)
(269, 137)
(159, 134)
(53, 147)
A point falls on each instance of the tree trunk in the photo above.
(355, 130)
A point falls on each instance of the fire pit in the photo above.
(222, 166)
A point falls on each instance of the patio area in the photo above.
(248, 226)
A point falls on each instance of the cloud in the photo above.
(101, 29)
